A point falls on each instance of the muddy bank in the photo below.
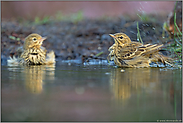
(83, 39)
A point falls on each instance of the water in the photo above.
(72, 92)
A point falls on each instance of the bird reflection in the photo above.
(35, 76)
(132, 81)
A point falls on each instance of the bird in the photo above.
(32, 52)
(127, 53)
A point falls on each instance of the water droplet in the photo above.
(122, 70)
(99, 48)
(133, 32)
(107, 73)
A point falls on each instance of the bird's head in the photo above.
(121, 38)
(33, 40)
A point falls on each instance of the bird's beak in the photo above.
(42, 39)
(112, 35)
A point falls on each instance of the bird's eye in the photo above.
(121, 37)
(34, 39)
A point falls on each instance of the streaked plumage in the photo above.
(33, 53)
(127, 53)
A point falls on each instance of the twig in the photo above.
(138, 33)
(174, 20)
(99, 54)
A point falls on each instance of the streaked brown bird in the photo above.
(33, 53)
(127, 53)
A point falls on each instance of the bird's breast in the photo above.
(34, 56)
(33, 53)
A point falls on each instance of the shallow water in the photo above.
(72, 92)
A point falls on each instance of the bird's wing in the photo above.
(151, 49)
(137, 49)
(50, 58)
(129, 51)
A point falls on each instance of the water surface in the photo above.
(68, 92)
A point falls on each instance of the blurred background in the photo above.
(90, 9)
(79, 29)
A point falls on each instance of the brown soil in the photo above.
(83, 39)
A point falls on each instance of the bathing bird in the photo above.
(127, 53)
(32, 52)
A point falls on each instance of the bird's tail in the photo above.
(13, 61)
(153, 52)
(164, 59)
(50, 59)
